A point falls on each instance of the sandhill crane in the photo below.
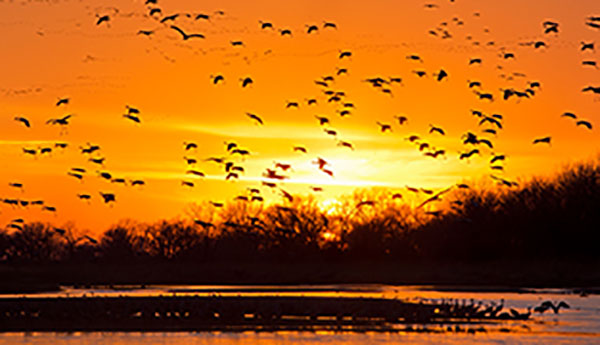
(237, 43)
(291, 104)
(441, 75)
(436, 129)
(255, 118)
(491, 120)
(329, 25)
(61, 145)
(570, 115)
(473, 84)
(346, 144)
(63, 121)
(137, 183)
(414, 58)
(49, 208)
(202, 16)
(232, 175)
(195, 172)
(230, 146)
(467, 155)
(23, 120)
(169, 18)
(383, 127)
(145, 32)
(300, 149)
(344, 112)
(90, 149)
(190, 161)
(217, 79)
(589, 63)
(133, 118)
(549, 305)
(154, 11)
(401, 119)
(322, 120)
(420, 73)
(31, 152)
(286, 195)
(550, 27)
(218, 160)
(76, 175)
(545, 140)
(265, 25)
(84, 196)
(283, 166)
(102, 19)
(284, 32)
(98, 161)
(246, 81)
(584, 123)
(187, 184)
(185, 35)
(587, 46)
(475, 61)
(311, 101)
(105, 175)
(593, 89)
(345, 54)
(190, 145)
(497, 158)
(62, 101)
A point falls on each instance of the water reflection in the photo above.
(578, 325)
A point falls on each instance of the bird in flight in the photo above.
(255, 118)
(185, 35)
(246, 81)
(102, 19)
(384, 127)
(544, 140)
(436, 129)
(62, 101)
(23, 120)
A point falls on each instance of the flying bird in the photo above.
(584, 123)
(62, 101)
(186, 36)
(255, 118)
(246, 81)
(23, 120)
(544, 140)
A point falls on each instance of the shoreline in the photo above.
(582, 277)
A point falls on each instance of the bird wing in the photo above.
(179, 30)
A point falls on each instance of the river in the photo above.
(580, 324)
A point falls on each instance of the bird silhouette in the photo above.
(345, 54)
(169, 18)
(63, 121)
(184, 35)
(133, 118)
(23, 120)
(102, 19)
(584, 123)
(544, 140)
(439, 130)
(218, 78)
(322, 120)
(62, 101)
(255, 118)
(383, 127)
(587, 46)
(300, 149)
(246, 81)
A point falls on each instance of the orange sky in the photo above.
(54, 49)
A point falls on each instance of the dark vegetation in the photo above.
(542, 225)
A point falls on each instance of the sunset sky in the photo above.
(55, 49)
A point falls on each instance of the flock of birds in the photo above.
(475, 143)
